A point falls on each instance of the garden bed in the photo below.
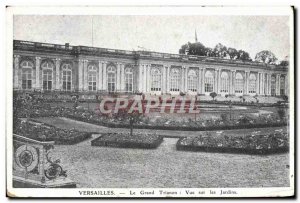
(249, 144)
(161, 126)
(42, 132)
(125, 140)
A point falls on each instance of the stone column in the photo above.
(257, 84)
(80, 75)
(219, 81)
(37, 72)
(186, 78)
(140, 79)
(263, 83)
(247, 82)
(269, 84)
(100, 74)
(118, 77)
(85, 75)
(215, 89)
(163, 80)
(104, 76)
(144, 78)
(57, 73)
(16, 71)
(233, 81)
(122, 86)
(167, 79)
(203, 81)
(148, 78)
(278, 84)
(230, 83)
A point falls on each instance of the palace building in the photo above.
(64, 68)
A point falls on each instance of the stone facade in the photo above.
(52, 67)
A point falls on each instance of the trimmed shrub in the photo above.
(125, 140)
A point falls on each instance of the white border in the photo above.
(138, 10)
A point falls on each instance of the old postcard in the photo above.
(143, 102)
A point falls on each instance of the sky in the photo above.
(158, 33)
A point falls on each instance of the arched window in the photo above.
(209, 81)
(155, 79)
(111, 78)
(47, 69)
(252, 83)
(67, 77)
(273, 85)
(128, 79)
(174, 80)
(27, 67)
(224, 82)
(192, 81)
(92, 77)
(239, 83)
(282, 85)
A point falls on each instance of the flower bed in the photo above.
(249, 144)
(125, 140)
(43, 132)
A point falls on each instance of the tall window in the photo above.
(192, 81)
(128, 79)
(111, 78)
(224, 82)
(282, 85)
(47, 75)
(155, 79)
(209, 82)
(239, 83)
(273, 85)
(252, 83)
(174, 80)
(92, 77)
(27, 67)
(67, 77)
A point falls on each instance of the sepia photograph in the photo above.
(150, 102)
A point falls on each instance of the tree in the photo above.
(243, 56)
(132, 118)
(213, 95)
(193, 49)
(233, 53)
(285, 98)
(266, 57)
(281, 113)
(220, 50)
(284, 63)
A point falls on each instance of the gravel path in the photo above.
(103, 167)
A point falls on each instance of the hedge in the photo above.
(230, 149)
(134, 141)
